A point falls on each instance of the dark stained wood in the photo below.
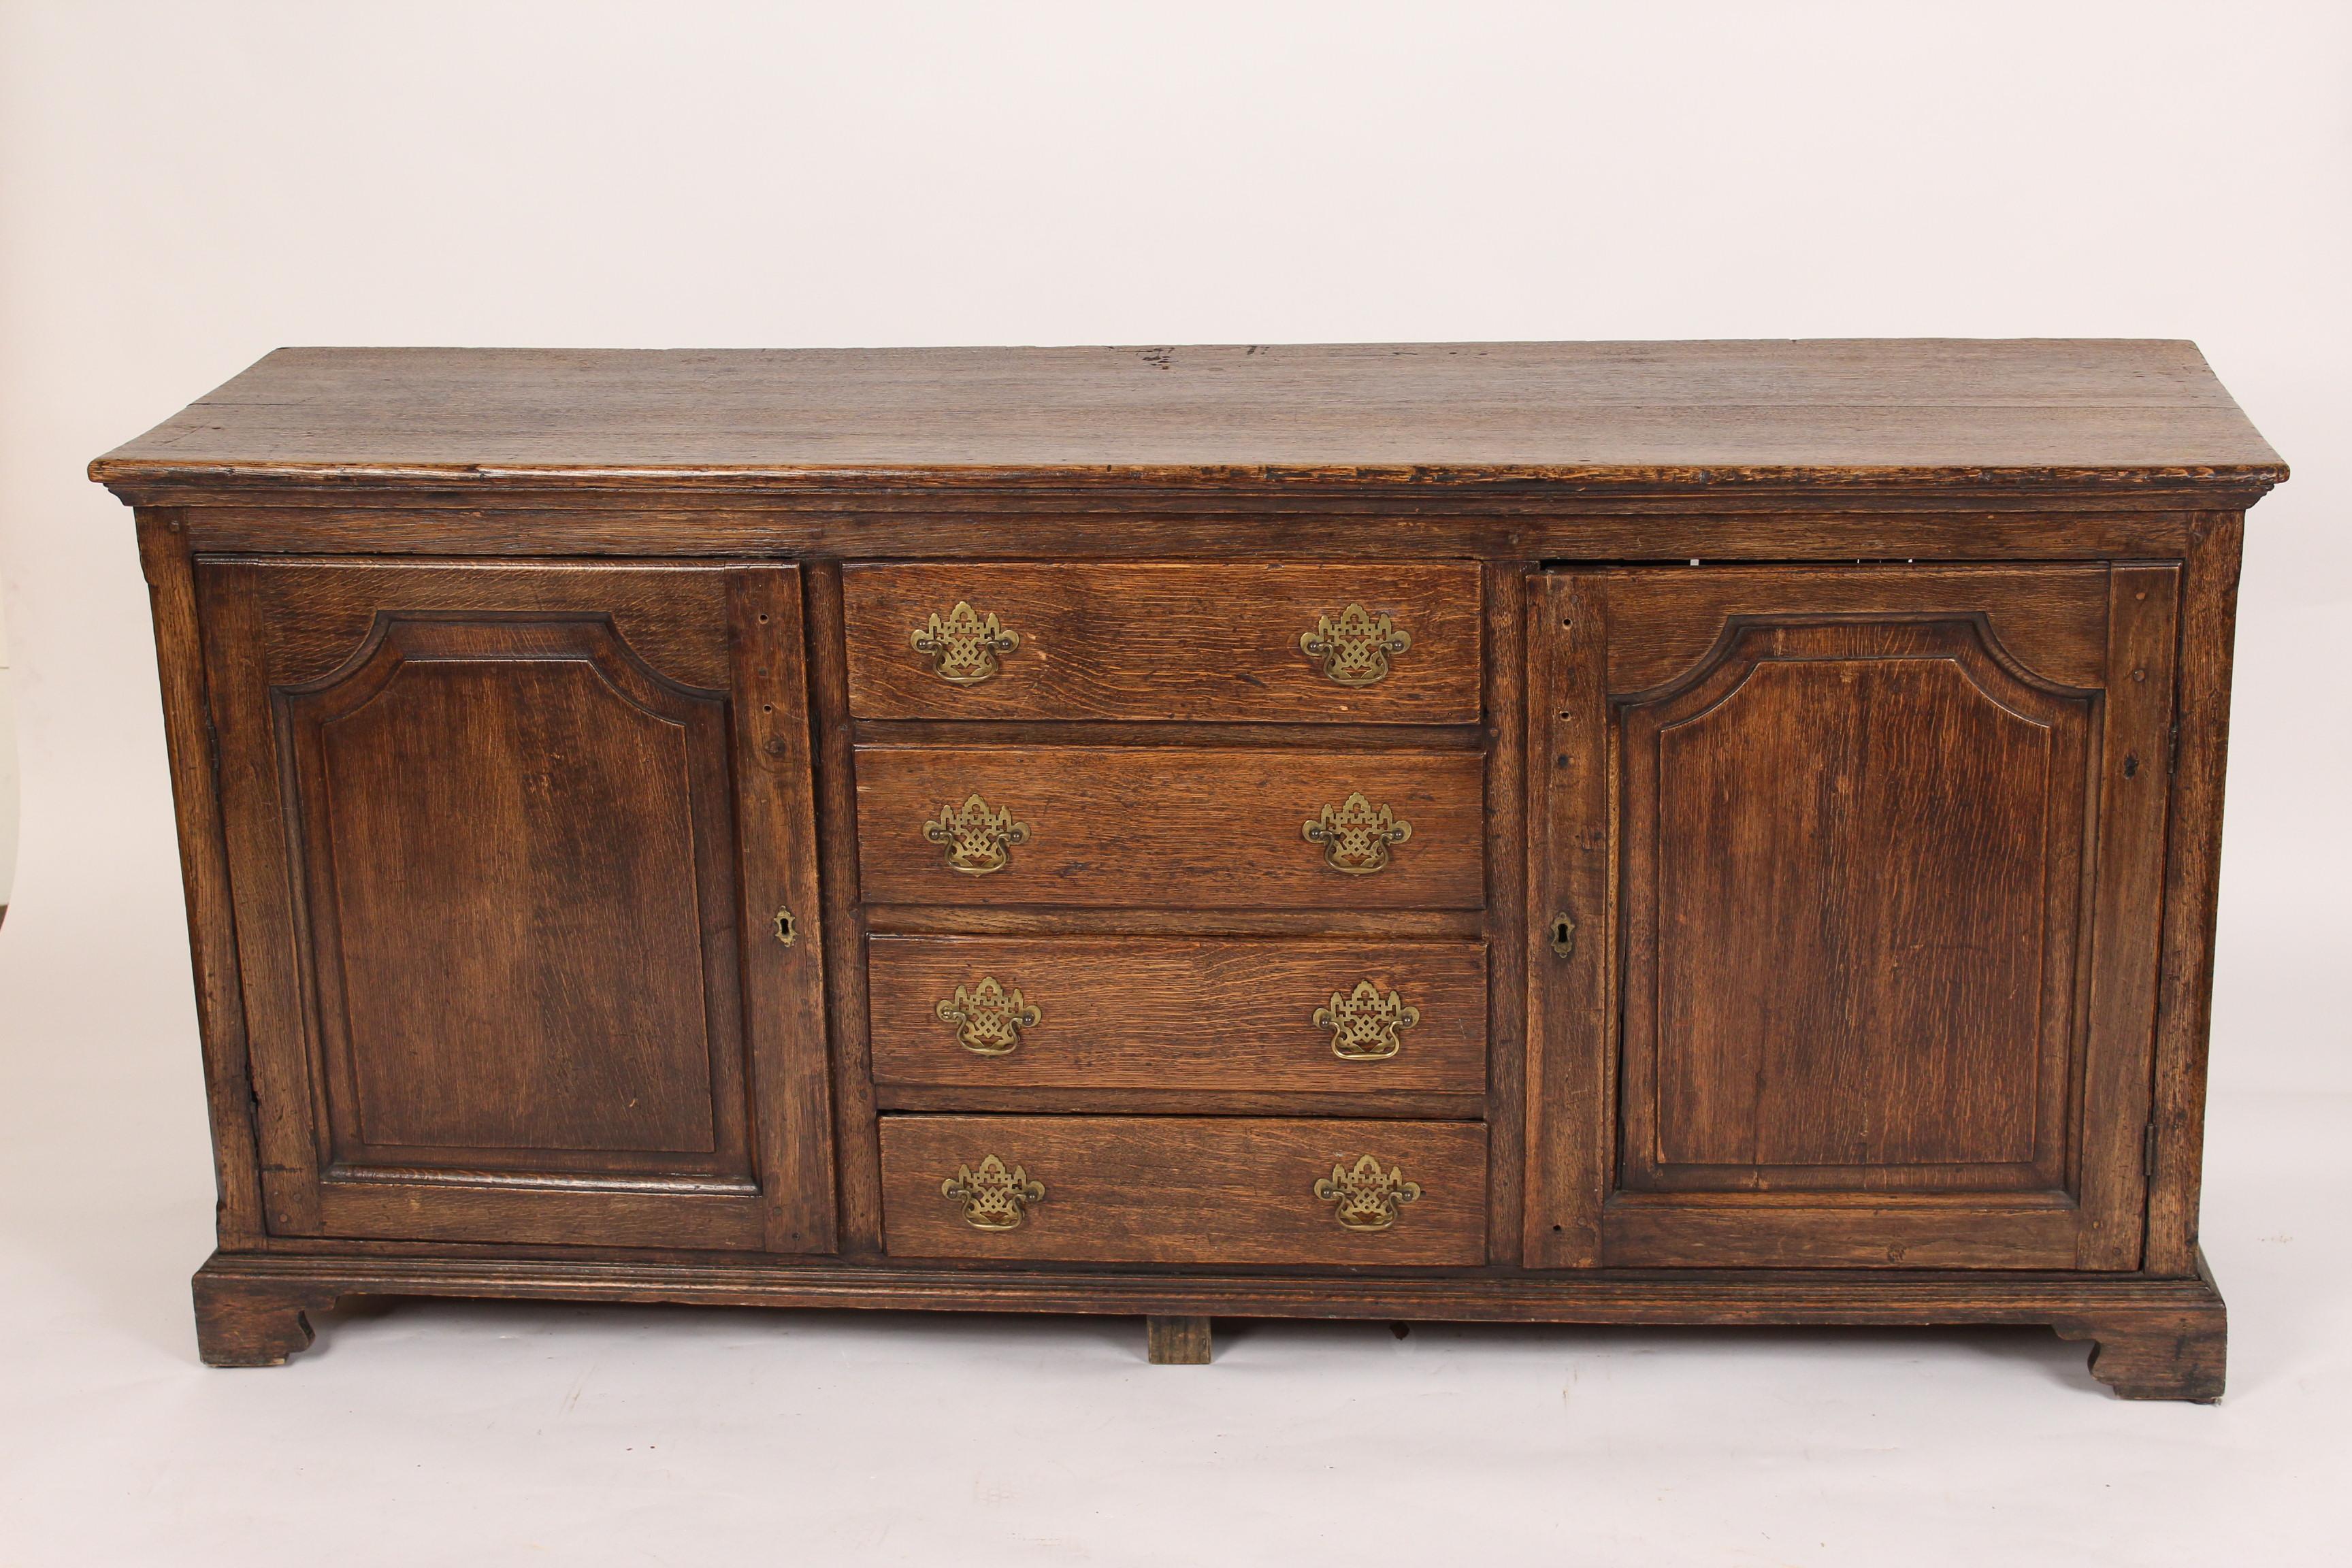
(1848, 1230)
(1841, 847)
(1159, 827)
(1170, 1014)
(783, 982)
(672, 615)
(1159, 641)
(203, 872)
(281, 1071)
(1820, 411)
(453, 783)
(1399, 1104)
(1860, 953)
(1177, 1341)
(2054, 621)
(2158, 1351)
(1506, 911)
(2119, 1021)
(1571, 844)
(844, 921)
(244, 1319)
(2155, 1338)
(1827, 687)
(1185, 1189)
(1401, 925)
(518, 934)
(2191, 885)
(2026, 522)
(1278, 736)
(727, 1214)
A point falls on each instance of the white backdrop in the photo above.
(183, 187)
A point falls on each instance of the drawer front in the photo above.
(1312, 1016)
(1170, 828)
(1382, 644)
(1185, 1190)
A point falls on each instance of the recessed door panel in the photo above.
(1853, 859)
(501, 813)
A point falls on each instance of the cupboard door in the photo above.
(1852, 877)
(509, 848)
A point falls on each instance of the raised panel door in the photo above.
(1862, 867)
(507, 846)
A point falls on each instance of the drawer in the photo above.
(1384, 643)
(1364, 1016)
(1178, 1189)
(1170, 828)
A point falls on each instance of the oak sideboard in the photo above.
(1579, 833)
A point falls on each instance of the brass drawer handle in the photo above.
(1356, 836)
(963, 648)
(1355, 648)
(1366, 1196)
(1364, 1024)
(989, 1020)
(977, 840)
(994, 1198)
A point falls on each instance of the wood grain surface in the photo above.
(507, 876)
(1185, 1189)
(2050, 620)
(1819, 411)
(1886, 881)
(2154, 1338)
(1180, 1014)
(1827, 689)
(1853, 881)
(1114, 640)
(1170, 826)
(2192, 878)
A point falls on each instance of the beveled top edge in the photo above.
(1894, 413)
(244, 480)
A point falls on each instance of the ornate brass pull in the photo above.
(1354, 648)
(977, 840)
(1364, 1024)
(963, 648)
(1356, 836)
(988, 1021)
(1366, 1196)
(994, 1198)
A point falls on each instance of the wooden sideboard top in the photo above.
(1874, 411)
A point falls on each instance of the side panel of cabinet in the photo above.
(507, 846)
(1864, 867)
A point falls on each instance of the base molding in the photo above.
(2153, 1338)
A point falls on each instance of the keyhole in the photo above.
(1563, 935)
